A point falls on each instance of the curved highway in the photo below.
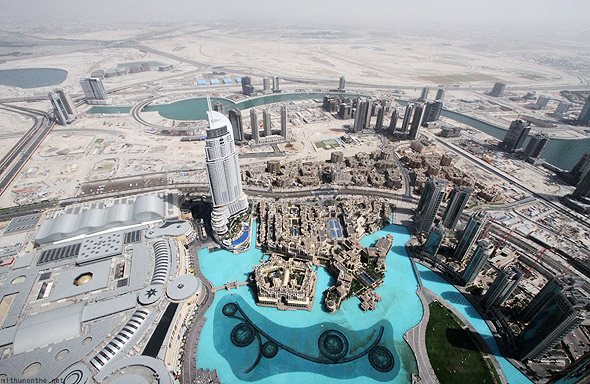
(17, 157)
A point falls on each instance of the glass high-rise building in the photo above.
(503, 286)
(416, 121)
(555, 320)
(424, 94)
(284, 121)
(584, 117)
(61, 107)
(341, 84)
(223, 171)
(393, 121)
(535, 146)
(407, 118)
(553, 287)
(480, 256)
(434, 240)
(254, 126)
(458, 201)
(498, 89)
(266, 120)
(432, 196)
(235, 118)
(474, 227)
(432, 112)
(94, 91)
(515, 136)
(362, 117)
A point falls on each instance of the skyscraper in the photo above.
(247, 88)
(472, 230)
(362, 115)
(434, 240)
(393, 121)
(223, 171)
(60, 110)
(416, 121)
(254, 125)
(458, 201)
(267, 122)
(368, 114)
(284, 121)
(407, 118)
(584, 116)
(275, 84)
(554, 286)
(581, 168)
(67, 101)
(424, 94)
(341, 84)
(562, 108)
(498, 89)
(379, 121)
(515, 135)
(432, 196)
(94, 91)
(432, 112)
(235, 118)
(583, 187)
(266, 84)
(535, 146)
(345, 111)
(558, 317)
(218, 107)
(480, 256)
(440, 94)
(541, 102)
(502, 287)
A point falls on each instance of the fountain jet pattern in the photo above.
(332, 344)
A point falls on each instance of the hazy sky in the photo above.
(370, 13)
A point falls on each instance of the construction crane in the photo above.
(541, 253)
(506, 236)
(487, 228)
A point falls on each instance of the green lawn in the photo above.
(453, 353)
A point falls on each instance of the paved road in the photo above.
(189, 370)
(416, 337)
(202, 190)
(21, 152)
(506, 177)
(143, 48)
(403, 171)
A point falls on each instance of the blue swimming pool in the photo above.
(265, 345)
(441, 287)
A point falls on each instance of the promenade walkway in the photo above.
(190, 373)
(416, 337)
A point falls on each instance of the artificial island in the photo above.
(173, 215)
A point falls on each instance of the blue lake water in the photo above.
(441, 287)
(301, 329)
(562, 153)
(32, 77)
(108, 110)
(196, 108)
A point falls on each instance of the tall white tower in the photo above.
(223, 171)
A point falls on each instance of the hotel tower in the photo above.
(223, 171)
